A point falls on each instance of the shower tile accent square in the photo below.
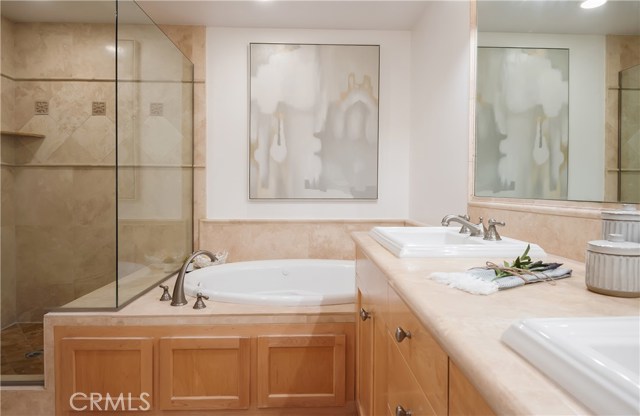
(156, 109)
(98, 108)
(41, 108)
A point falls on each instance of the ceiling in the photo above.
(539, 16)
(356, 15)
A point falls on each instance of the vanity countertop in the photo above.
(469, 327)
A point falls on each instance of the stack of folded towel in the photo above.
(483, 281)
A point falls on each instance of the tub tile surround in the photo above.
(469, 327)
(286, 239)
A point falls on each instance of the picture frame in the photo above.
(313, 121)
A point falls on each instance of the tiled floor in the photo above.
(18, 340)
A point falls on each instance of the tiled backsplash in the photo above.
(563, 231)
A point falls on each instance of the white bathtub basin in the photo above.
(447, 242)
(597, 360)
(277, 282)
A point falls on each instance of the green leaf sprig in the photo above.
(523, 263)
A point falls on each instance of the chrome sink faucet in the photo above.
(178, 298)
(474, 230)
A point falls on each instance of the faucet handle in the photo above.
(165, 294)
(464, 229)
(492, 233)
(199, 302)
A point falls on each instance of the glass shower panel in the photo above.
(58, 170)
(629, 135)
(154, 153)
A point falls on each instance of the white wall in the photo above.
(440, 112)
(587, 89)
(227, 123)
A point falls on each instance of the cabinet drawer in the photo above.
(422, 353)
(403, 388)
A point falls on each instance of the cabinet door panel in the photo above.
(364, 379)
(464, 399)
(204, 373)
(104, 374)
(403, 389)
(380, 395)
(428, 361)
(301, 370)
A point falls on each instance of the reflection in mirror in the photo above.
(522, 98)
(553, 127)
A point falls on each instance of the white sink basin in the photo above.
(597, 360)
(447, 242)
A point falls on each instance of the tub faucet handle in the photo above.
(165, 294)
(199, 302)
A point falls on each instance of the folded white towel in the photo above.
(481, 281)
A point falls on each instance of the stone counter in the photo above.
(469, 327)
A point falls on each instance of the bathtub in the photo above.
(276, 282)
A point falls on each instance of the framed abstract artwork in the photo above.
(522, 123)
(313, 121)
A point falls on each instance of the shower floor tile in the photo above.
(22, 344)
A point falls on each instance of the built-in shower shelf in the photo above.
(20, 134)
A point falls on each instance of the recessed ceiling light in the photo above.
(592, 4)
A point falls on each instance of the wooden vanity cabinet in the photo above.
(464, 399)
(403, 366)
(215, 369)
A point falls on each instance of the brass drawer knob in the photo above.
(401, 334)
(364, 315)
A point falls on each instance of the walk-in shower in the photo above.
(97, 149)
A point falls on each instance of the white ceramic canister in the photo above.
(625, 221)
(613, 267)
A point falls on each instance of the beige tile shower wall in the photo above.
(622, 53)
(65, 235)
(8, 244)
(285, 239)
(558, 230)
(63, 185)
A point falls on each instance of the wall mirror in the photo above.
(558, 101)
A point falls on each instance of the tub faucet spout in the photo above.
(178, 298)
(475, 230)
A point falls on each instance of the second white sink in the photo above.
(596, 359)
(447, 242)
